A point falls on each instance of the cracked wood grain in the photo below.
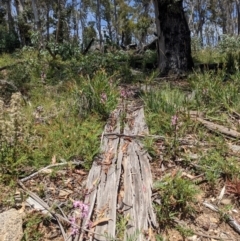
(129, 171)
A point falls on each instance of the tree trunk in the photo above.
(174, 41)
(10, 21)
(116, 25)
(48, 20)
(22, 22)
(59, 30)
(98, 22)
(36, 16)
(238, 16)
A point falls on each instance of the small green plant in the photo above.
(216, 165)
(177, 194)
(184, 231)
(121, 226)
(149, 144)
(98, 95)
(31, 227)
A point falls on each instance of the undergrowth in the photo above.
(68, 100)
(184, 143)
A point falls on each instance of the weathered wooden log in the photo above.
(121, 181)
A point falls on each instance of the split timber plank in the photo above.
(125, 168)
(140, 189)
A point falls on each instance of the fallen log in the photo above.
(120, 181)
(217, 128)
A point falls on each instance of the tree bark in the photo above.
(238, 16)
(10, 21)
(98, 22)
(36, 16)
(174, 41)
(59, 30)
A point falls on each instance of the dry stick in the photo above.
(212, 237)
(50, 166)
(181, 141)
(218, 128)
(55, 215)
(45, 205)
(231, 222)
(202, 234)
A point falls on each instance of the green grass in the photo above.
(216, 96)
(74, 106)
(64, 120)
(176, 194)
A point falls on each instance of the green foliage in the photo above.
(210, 91)
(58, 130)
(149, 59)
(149, 144)
(8, 40)
(184, 231)
(161, 105)
(66, 50)
(229, 48)
(229, 44)
(166, 99)
(176, 194)
(89, 33)
(88, 65)
(98, 95)
(215, 164)
(207, 55)
(31, 227)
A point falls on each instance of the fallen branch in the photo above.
(231, 222)
(181, 141)
(182, 223)
(212, 237)
(50, 166)
(217, 128)
(57, 216)
(45, 205)
(89, 46)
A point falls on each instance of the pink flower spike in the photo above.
(103, 98)
(174, 120)
(123, 93)
(77, 204)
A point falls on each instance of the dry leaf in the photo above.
(191, 177)
(151, 235)
(22, 210)
(99, 221)
(221, 194)
(81, 172)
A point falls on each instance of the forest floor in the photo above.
(216, 209)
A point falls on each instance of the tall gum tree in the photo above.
(174, 40)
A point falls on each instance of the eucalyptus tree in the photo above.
(174, 40)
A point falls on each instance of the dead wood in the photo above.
(89, 46)
(50, 166)
(217, 128)
(122, 181)
(231, 222)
